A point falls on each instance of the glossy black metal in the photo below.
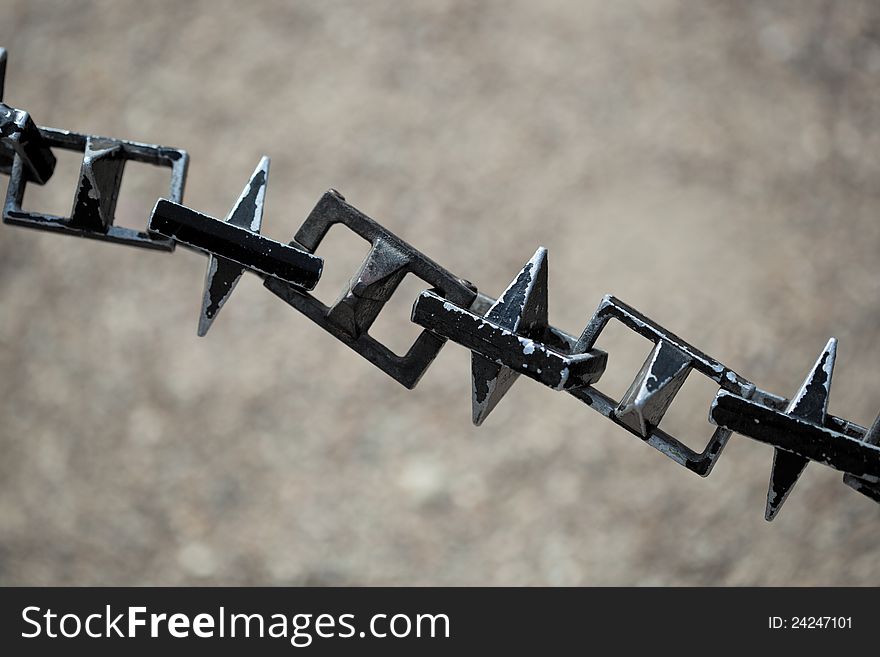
(100, 178)
(241, 245)
(20, 136)
(524, 355)
(389, 260)
(655, 386)
(507, 337)
(522, 309)
(223, 274)
(810, 403)
(510, 336)
(804, 438)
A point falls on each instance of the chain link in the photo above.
(508, 337)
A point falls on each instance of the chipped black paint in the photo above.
(481, 377)
(20, 138)
(100, 180)
(244, 212)
(655, 386)
(813, 402)
(220, 285)
(533, 359)
(645, 425)
(802, 437)
(521, 309)
(223, 274)
(810, 404)
(100, 177)
(86, 210)
(786, 470)
(507, 337)
(664, 368)
(390, 259)
(252, 250)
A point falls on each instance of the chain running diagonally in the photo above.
(508, 337)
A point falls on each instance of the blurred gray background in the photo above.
(714, 164)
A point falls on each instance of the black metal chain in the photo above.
(507, 337)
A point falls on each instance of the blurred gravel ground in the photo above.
(714, 164)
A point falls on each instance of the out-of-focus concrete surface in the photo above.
(714, 164)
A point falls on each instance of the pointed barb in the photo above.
(384, 264)
(654, 388)
(220, 279)
(222, 274)
(787, 468)
(811, 400)
(381, 272)
(248, 209)
(809, 403)
(489, 383)
(100, 179)
(522, 309)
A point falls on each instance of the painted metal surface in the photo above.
(507, 337)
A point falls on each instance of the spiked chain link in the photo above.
(508, 337)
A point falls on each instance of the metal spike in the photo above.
(810, 403)
(506, 338)
(100, 179)
(223, 274)
(522, 309)
(811, 400)
(654, 388)
(787, 468)
(361, 302)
